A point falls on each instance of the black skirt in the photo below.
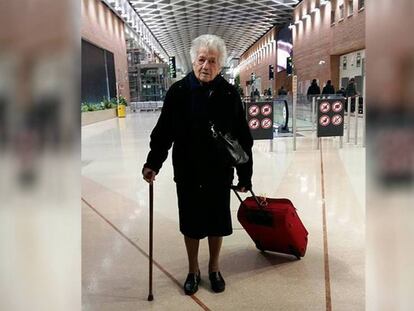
(204, 210)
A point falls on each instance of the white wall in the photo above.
(352, 70)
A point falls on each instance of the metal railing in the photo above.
(146, 105)
(358, 103)
(355, 110)
(302, 115)
(304, 109)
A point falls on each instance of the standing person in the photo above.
(282, 91)
(350, 89)
(328, 89)
(256, 94)
(203, 175)
(314, 88)
(351, 92)
(341, 92)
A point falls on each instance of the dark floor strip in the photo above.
(197, 300)
(325, 239)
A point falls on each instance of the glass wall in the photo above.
(98, 73)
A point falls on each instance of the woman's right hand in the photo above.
(148, 174)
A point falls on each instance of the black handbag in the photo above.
(232, 147)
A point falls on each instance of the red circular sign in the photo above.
(337, 119)
(254, 124)
(324, 120)
(254, 110)
(266, 110)
(324, 107)
(266, 123)
(337, 106)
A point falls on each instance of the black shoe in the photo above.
(191, 283)
(217, 282)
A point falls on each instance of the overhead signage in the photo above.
(173, 71)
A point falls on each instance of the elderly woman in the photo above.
(202, 174)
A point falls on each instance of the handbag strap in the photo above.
(213, 130)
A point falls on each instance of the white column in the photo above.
(364, 111)
(294, 101)
(356, 119)
(348, 128)
(313, 113)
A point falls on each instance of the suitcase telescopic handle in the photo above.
(234, 188)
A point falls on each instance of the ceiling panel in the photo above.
(175, 23)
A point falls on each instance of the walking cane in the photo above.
(151, 212)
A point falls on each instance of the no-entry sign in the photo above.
(337, 119)
(266, 109)
(260, 119)
(330, 117)
(325, 107)
(266, 123)
(337, 106)
(324, 120)
(254, 124)
(254, 110)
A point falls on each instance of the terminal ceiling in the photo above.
(175, 23)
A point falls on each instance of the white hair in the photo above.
(209, 42)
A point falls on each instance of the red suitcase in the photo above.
(273, 225)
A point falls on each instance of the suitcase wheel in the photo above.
(259, 247)
(294, 252)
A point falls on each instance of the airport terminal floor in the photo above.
(326, 185)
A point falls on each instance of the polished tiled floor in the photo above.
(326, 185)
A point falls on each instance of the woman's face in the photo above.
(206, 66)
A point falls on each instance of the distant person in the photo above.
(265, 92)
(351, 92)
(282, 91)
(256, 94)
(328, 89)
(350, 89)
(341, 92)
(314, 88)
(269, 92)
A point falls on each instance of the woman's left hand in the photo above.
(241, 189)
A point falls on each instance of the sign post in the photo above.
(173, 73)
(294, 100)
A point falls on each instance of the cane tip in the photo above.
(150, 297)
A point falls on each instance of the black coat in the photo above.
(314, 89)
(328, 89)
(350, 90)
(184, 122)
